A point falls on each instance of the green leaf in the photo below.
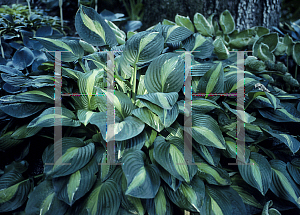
(25, 132)
(287, 139)
(296, 52)
(163, 100)
(160, 204)
(23, 58)
(13, 191)
(42, 200)
(72, 50)
(103, 199)
(244, 116)
(124, 130)
(271, 211)
(282, 184)
(87, 47)
(47, 118)
(175, 34)
(288, 113)
(227, 22)
(206, 131)
(201, 46)
(170, 155)
(142, 180)
(74, 151)
(222, 201)
(168, 22)
(288, 41)
(139, 49)
(189, 196)
(165, 74)
(21, 110)
(264, 53)
(248, 198)
(220, 49)
(86, 87)
(120, 35)
(202, 25)
(149, 118)
(184, 22)
(257, 173)
(213, 175)
(240, 43)
(72, 187)
(271, 40)
(294, 170)
(93, 29)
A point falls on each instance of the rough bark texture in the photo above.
(247, 13)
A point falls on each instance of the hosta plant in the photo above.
(148, 98)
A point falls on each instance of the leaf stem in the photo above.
(36, 176)
(296, 71)
(133, 84)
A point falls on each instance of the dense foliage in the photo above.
(149, 75)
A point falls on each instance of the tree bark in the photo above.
(246, 13)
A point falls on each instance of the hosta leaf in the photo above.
(240, 43)
(264, 53)
(184, 22)
(223, 201)
(86, 85)
(201, 46)
(142, 180)
(294, 170)
(103, 199)
(170, 155)
(257, 173)
(72, 50)
(209, 153)
(84, 116)
(248, 198)
(296, 52)
(199, 106)
(92, 28)
(271, 40)
(149, 118)
(120, 35)
(270, 211)
(207, 132)
(282, 184)
(168, 22)
(227, 22)
(163, 100)
(176, 33)
(288, 41)
(202, 25)
(74, 151)
(189, 196)
(21, 110)
(13, 195)
(47, 118)
(72, 187)
(23, 58)
(25, 132)
(159, 205)
(139, 49)
(165, 74)
(124, 130)
(42, 200)
(121, 102)
(220, 49)
(244, 116)
(288, 113)
(287, 139)
(87, 47)
(213, 175)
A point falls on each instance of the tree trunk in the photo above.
(247, 13)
